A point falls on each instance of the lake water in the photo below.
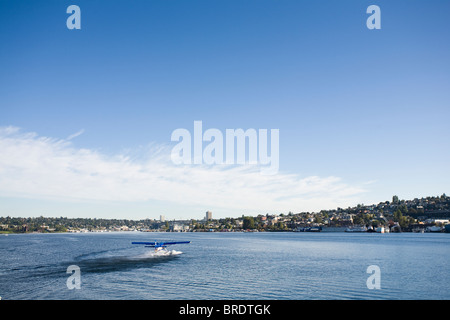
(258, 266)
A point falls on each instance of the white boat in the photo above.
(356, 229)
(380, 230)
(434, 229)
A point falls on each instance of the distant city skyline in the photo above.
(86, 115)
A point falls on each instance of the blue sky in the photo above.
(363, 114)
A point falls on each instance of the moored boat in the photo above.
(356, 229)
(434, 229)
(380, 230)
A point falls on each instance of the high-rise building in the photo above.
(162, 218)
(208, 215)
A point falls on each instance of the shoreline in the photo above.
(324, 230)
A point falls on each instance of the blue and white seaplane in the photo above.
(161, 247)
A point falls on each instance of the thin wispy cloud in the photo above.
(76, 134)
(32, 166)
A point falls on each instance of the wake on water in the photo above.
(110, 263)
(158, 254)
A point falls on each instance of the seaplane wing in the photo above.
(159, 243)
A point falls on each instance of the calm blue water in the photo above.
(226, 266)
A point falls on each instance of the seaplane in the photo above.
(161, 247)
